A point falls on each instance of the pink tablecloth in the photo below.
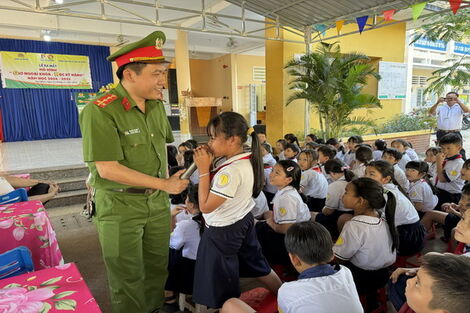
(27, 224)
(58, 289)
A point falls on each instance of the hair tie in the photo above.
(290, 168)
(345, 168)
(250, 131)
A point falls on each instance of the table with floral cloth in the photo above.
(27, 224)
(57, 289)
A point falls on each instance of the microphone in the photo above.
(191, 169)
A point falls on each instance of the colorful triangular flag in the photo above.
(339, 25)
(361, 22)
(455, 5)
(321, 28)
(418, 9)
(388, 15)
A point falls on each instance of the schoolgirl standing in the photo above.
(229, 248)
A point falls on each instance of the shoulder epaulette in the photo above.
(105, 100)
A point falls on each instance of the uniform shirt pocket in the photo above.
(136, 149)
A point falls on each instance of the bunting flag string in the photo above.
(321, 28)
(455, 5)
(418, 9)
(361, 22)
(339, 26)
(388, 15)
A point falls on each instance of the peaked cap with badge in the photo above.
(146, 50)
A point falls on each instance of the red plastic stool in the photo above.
(382, 299)
(283, 272)
(403, 261)
(261, 300)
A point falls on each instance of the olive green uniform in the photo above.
(133, 229)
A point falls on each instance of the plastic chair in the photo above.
(261, 300)
(18, 195)
(15, 262)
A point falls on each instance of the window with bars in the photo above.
(259, 73)
(419, 80)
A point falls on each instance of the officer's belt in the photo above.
(147, 191)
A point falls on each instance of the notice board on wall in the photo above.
(392, 84)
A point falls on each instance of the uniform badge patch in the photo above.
(105, 100)
(126, 104)
(223, 180)
(340, 241)
(132, 131)
(282, 211)
(453, 173)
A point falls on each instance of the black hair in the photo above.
(466, 164)
(450, 139)
(397, 155)
(188, 158)
(267, 147)
(310, 242)
(260, 131)
(373, 192)
(434, 150)
(178, 198)
(355, 139)
(283, 142)
(312, 155)
(327, 151)
(380, 144)
(334, 142)
(320, 141)
(134, 66)
(292, 170)
(422, 168)
(291, 138)
(312, 136)
(234, 124)
(187, 145)
(171, 152)
(364, 154)
(452, 92)
(193, 143)
(336, 166)
(311, 146)
(466, 189)
(450, 274)
(403, 142)
(193, 197)
(386, 169)
(293, 147)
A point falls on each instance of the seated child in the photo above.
(393, 156)
(334, 206)
(291, 151)
(309, 138)
(266, 152)
(325, 153)
(326, 288)
(379, 146)
(268, 189)
(184, 241)
(368, 242)
(448, 167)
(280, 146)
(405, 147)
(421, 191)
(350, 156)
(261, 206)
(291, 138)
(430, 158)
(182, 148)
(313, 184)
(288, 209)
(410, 230)
(363, 156)
(339, 146)
(398, 279)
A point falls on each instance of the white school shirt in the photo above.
(412, 154)
(349, 157)
(404, 160)
(314, 184)
(5, 186)
(449, 118)
(405, 212)
(281, 156)
(420, 191)
(377, 155)
(267, 185)
(269, 159)
(432, 172)
(359, 170)
(328, 294)
(288, 207)
(334, 198)
(400, 177)
(452, 170)
(234, 182)
(186, 235)
(261, 205)
(340, 155)
(366, 242)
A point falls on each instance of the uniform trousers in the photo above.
(134, 232)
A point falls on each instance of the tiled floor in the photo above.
(56, 153)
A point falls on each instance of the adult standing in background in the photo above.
(124, 135)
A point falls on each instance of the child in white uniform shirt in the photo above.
(379, 146)
(291, 151)
(288, 209)
(334, 208)
(321, 287)
(430, 158)
(405, 147)
(368, 242)
(393, 156)
(266, 152)
(229, 248)
(363, 156)
(350, 156)
(261, 206)
(313, 184)
(421, 191)
(409, 228)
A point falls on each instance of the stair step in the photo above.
(67, 198)
(72, 183)
(55, 174)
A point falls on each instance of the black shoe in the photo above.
(170, 308)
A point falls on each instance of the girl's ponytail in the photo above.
(257, 164)
(390, 208)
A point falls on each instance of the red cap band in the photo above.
(140, 55)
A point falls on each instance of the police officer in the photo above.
(124, 135)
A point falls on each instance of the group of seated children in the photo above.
(374, 205)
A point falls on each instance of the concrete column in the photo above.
(183, 75)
